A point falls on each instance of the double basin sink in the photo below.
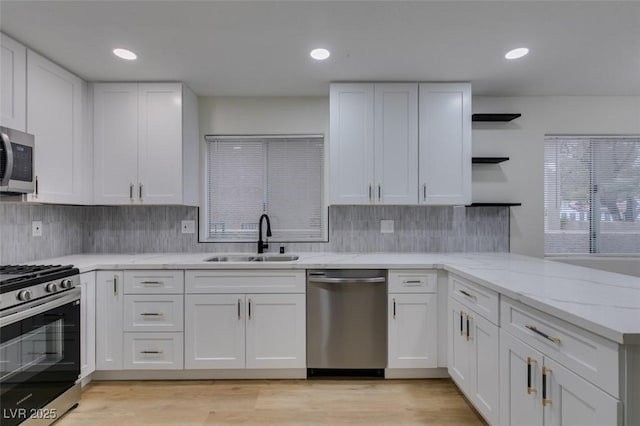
(253, 258)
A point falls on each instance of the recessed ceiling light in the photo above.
(320, 54)
(125, 54)
(517, 53)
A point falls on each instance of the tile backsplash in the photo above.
(156, 229)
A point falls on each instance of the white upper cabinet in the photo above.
(145, 144)
(115, 142)
(55, 104)
(13, 84)
(445, 143)
(396, 143)
(400, 143)
(351, 143)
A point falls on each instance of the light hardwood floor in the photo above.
(273, 402)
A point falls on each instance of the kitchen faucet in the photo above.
(265, 244)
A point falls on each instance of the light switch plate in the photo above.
(36, 228)
(188, 227)
(386, 227)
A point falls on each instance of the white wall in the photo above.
(521, 179)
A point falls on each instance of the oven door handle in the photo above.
(4, 180)
(36, 307)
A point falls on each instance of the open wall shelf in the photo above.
(494, 117)
(493, 204)
(488, 160)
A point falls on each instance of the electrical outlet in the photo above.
(36, 228)
(188, 227)
(386, 227)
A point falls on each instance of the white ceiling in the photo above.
(260, 48)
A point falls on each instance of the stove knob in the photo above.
(66, 284)
(51, 287)
(24, 295)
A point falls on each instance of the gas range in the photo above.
(23, 283)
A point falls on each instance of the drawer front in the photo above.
(153, 351)
(482, 300)
(412, 281)
(234, 281)
(153, 312)
(154, 282)
(591, 357)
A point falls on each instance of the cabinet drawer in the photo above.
(153, 312)
(155, 282)
(408, 281)
(234, 281)
(590, 356)
(482, 300)
(153, 351)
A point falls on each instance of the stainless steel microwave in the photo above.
(16, 162)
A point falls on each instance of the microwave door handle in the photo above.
(4, 180)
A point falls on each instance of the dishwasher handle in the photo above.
(347, 280)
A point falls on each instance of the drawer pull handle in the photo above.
(412, 282)
(546, 336)
(151, 282)
(151, 352)
(461, 324)
(394, 308)
(152, 314)
(239, 301)
(545, 372)
(530, 362)
(468, 335)
(115, 285)
(249, 313)
(469, 295)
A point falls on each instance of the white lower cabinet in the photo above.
(536, 390)
(250, 331)
(413, 331)
(153, 351)
(87, 324)
(473, 358)
(109, 320)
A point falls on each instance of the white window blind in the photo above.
(278, 175)
(592, 194)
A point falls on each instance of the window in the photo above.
(278, 175)
(592, 195)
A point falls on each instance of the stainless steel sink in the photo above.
(253, 258)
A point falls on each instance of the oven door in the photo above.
(39, 355)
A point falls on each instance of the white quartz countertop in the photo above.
(604, 303)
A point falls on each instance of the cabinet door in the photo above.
(214, 331)
(115, 133)
(160, 143)
(520, 404)
(54, 113)
(413, 331)
(87, 324)
(109, 314)
(13, 84)
(351, 143)
(459, 347)
(575, 402)
(276, 331)
(484, 371)
(396, 143)
(445, 143)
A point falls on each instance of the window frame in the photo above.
(594, 198)
(204, 205)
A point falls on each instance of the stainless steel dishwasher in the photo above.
(346, 321)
